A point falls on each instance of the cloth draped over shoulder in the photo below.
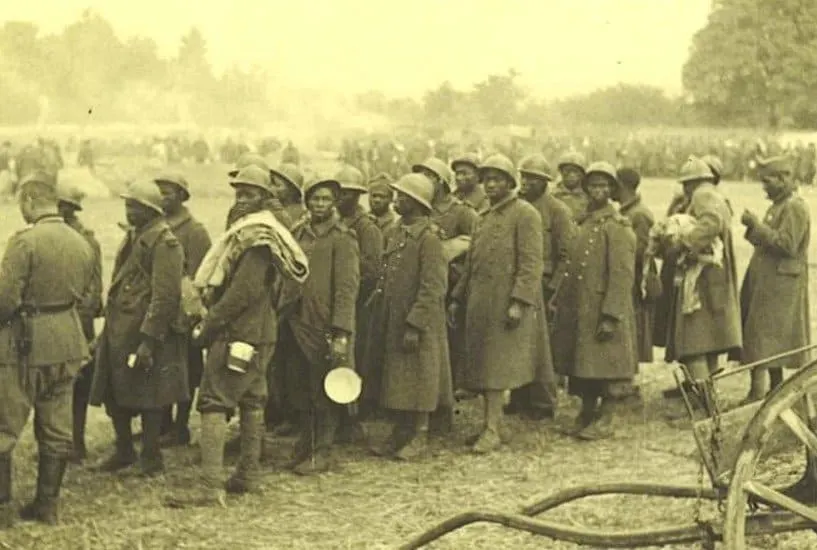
(258, 229)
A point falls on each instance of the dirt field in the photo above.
(372, 503)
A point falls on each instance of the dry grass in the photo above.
(371, 503)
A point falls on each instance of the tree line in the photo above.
(754, 64)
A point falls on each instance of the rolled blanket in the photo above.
(258, 229)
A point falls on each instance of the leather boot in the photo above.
(44, 508)
(151, 463)
(210, 492)
(247, 474)
(80, 413)
(320, 459)
(586, 416)
(7, 512)
(602, 427)
(125, 454)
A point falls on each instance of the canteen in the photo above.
(342, 385)
(240, 355)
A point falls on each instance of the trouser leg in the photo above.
(150, 461)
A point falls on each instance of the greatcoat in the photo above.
(144, 299)
(597, 283)
(412, 294)
(642, 220)
(715, 327)
(503, 264)
(774, 296)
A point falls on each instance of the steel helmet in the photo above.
(536, 165)
(380, 181)
(776, 165)
(416, 186)
(40, 176)
(573, 158)
(72, 196)
(175, 178)
(468, 159)
(314, 184)
(695, 169)
(253, 176)
(604, 168)
(351, 179)
(437, 167)
(146, 193)
(248, 159)
(500, 163)
(292, 175)
(714, 164)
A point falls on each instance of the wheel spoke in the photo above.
(800, 429)
(769, 495)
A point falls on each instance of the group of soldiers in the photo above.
(473, 278)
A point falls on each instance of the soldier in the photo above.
(642, 219)
(240, 297)
(456, 223)
(141, 356)
(288, 180)
(408, 331)
(469, 189)
(705, 319)
(501, 290)
(380, 203)
(69, 202)
(272, 204)
(774, 295)
(46, 270)
(195, 241)
(569, 190)
(538, 400)
(290, 154)
(594, 330)
(370, 246)
(325, 309)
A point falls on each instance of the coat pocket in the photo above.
(790, 267)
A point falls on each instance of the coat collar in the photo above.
(474, 198)
(416, 229)
(599, 215)
(180, 218)
(501, 205)
(144, 237)
(629, 205)
(359, 213)
(444, 204)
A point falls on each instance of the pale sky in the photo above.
(404, 47)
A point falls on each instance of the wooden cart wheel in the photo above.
(791, 407)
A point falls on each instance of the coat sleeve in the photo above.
(708, 209)
(563, 229)
(248, 284)
(346, 282)
(618, 296)
(467, 223)
(198, 246)
(90, 307)
(527, 283)
(370, 250)
(167, 267)
(642, 223)
(432, 284)
(786, 239)
(14, 271)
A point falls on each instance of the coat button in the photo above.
(579, 277)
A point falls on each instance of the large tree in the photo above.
(755, 62)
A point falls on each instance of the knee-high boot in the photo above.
(45, 506)
(79, 418)
(124, 455)
(7, 512)
(150, 461)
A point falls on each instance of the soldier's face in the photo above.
(379, 200)
(532, 186)
(405, 205)
(467, 177)
(773, 186)
(497, 185)
(435, 179)
(137, 214)
(348, 200)
(171, 197)
(571, 176)
(320, 203)
(598, 188)
(248, 196)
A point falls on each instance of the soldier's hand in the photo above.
(144, 356)
(749, 219)
(411, 340)
(514, 315)
(340, 347)
(606, 329)
(452, 314)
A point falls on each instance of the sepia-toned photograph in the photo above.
(408, 274)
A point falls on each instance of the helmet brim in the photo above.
(423, 202)
(129, 197)
(536, 174)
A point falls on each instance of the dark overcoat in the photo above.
(504, 264)
(716, 327)
(412, 294)
(597, 283)
(144, 299)
(774, 297)
(557, 229)
(326, 304)
(642, 220)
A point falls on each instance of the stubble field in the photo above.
(371, 503)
